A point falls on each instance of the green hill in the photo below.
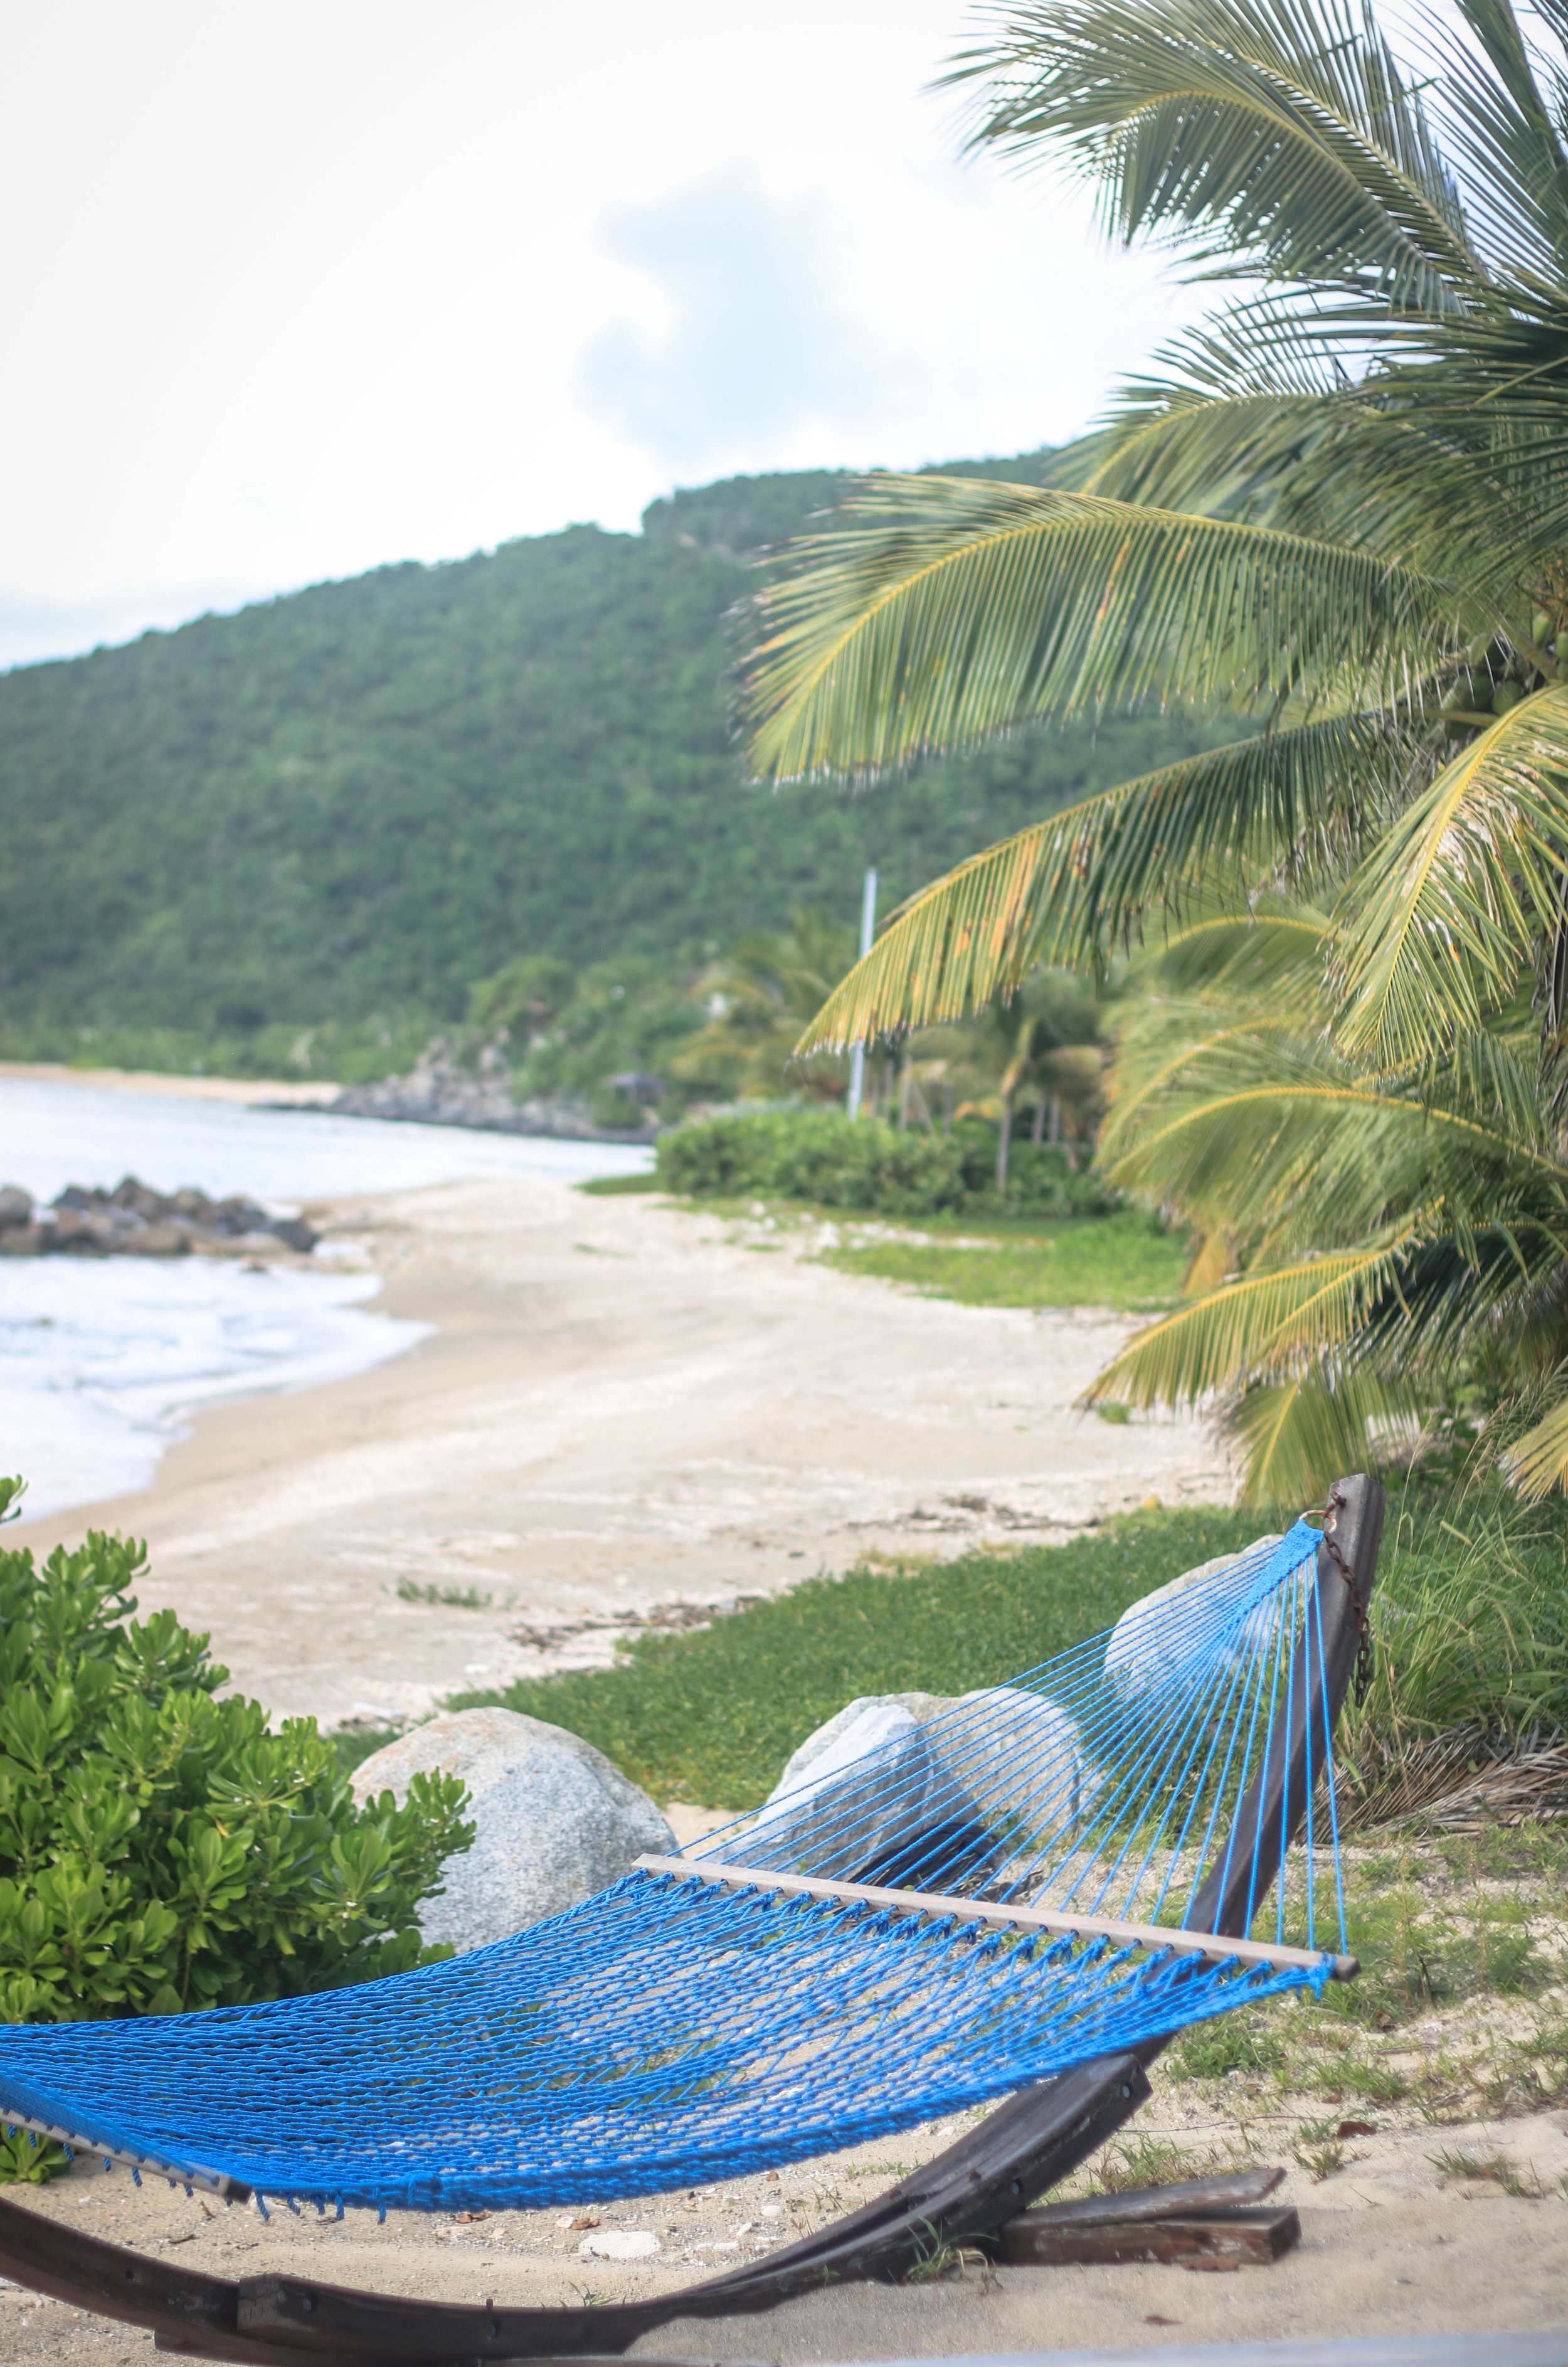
(344, 807)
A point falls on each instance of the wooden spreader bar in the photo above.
(210, 2181)
(1027, 1918)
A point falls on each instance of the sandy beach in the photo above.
(1388, 2247)
(623, 1413)
(620, 1413)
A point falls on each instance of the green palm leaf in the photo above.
(1280, 1322)
(1295, 1437)
(1274, 139)
(1455, 898)
(1062, 891)
(956, 608)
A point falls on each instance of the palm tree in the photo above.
(759, 995)
(1339, 512)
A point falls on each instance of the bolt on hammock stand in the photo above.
(967, 2194)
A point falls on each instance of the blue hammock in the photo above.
(743, 2008)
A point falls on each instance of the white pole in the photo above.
(867, 931)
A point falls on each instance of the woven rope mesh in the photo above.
(674, 2031)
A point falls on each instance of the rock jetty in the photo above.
(135, 1221)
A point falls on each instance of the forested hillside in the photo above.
(348, 805)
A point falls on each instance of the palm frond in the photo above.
(1538, 1461)
(1275, 139)
(1277, 1323)
(1506, 131)
(951, 608)
(1066, 890)
(1295, 1437)
(1453, 901)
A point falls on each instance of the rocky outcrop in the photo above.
(556, 1819)
(438, 1091)
(133, 1220)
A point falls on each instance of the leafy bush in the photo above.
(819, 1155)
(160, 1848)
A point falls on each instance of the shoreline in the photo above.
(616, 1411)
(178, 1083)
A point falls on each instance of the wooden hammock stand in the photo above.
(975, 2193)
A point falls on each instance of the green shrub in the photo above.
(160, 1848)
(818, 1155)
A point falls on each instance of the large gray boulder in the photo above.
(897, 1776)
(1150, 1632)
(856, 1797)
(557, 1821)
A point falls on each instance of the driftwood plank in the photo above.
(1231, 2190)
(1215, 2239)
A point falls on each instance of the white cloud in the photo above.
(755, 346)
(292, 290)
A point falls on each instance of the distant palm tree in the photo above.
(1341, 513)
(759, 995)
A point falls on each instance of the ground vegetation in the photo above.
(161, 1848)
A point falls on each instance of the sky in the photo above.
(295, 291)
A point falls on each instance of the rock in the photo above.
(1020, 1758)
(867, 1799)
(139, 1198)
(294, 1233)
(620, 2244)
(556, 1821)
(16, 1206)
(24, 1240)
(77, 1233)
(1139, 1652)
(922, 1789)
(155, 1241)
(133, 1220)
(920, 1707)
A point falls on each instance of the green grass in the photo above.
(1470, 1623)
(1122, 1260)
(712, 1716)
(615, 1187)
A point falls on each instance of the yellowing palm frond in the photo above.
(1452, 904)
(1277, 1323)
(1295, 1437)
(1538, 1461)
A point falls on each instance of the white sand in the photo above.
(620, 1409)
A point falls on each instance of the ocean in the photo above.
(102, 1360)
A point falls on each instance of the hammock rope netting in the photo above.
(673, 2032)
